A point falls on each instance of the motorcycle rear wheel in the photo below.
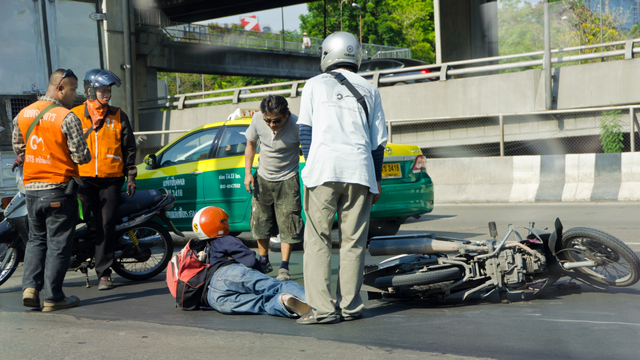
(619, 264)
(157, 248)
(422, 278)
(8, 262)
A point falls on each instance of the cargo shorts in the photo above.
(276, 208)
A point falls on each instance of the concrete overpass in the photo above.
(187, 11)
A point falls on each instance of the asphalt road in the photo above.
(139, 320)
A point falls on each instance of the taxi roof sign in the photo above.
(241, 113)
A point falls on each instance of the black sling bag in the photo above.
(359, 97)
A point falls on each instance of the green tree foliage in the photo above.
(401, 23)
(521, 26)
(580, 26)
(611, 136)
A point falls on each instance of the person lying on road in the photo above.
(237, 284)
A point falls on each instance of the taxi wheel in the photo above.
(275, 246)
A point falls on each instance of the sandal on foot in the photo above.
(310, 319)
(294, 305)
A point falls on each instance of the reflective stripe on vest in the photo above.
(105, 146)
(47, 156)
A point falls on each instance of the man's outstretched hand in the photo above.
(17, 162)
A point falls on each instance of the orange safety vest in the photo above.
(105, 145)
(47, 156)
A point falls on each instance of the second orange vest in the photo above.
(105, 146)
(47, 157)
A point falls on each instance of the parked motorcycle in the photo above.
(448, 269)
(143, 246)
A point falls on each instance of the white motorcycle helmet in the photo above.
(340, 48)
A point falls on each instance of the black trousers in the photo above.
(52, 223)
(100, 198)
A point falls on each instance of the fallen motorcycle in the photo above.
(448, 269)
(143, 246)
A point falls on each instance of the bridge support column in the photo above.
(465, 29)
(115, 59)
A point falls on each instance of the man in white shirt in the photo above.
(306, 43)
(343, 144)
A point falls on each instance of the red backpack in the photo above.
(186, 275)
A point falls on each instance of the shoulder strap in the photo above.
(37, 120)
(359, 97)
(86, 135)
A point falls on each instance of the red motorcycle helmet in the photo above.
(210, 222)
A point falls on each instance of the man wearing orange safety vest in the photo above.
(113, 152)
(49, 138)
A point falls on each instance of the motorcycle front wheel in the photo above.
(8, 262)
(156, 249)
(617, 265)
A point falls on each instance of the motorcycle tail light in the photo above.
(425, 71)
(5, 202)
(420, 164)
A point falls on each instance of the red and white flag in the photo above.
(250, 23)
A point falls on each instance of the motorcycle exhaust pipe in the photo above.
(573, 265)
(410, 244)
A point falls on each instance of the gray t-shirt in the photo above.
(279, 153)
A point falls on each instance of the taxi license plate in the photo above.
(391, 171)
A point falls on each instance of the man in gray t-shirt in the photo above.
(276, 205)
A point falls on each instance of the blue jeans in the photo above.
(236, 289)
(52, 223)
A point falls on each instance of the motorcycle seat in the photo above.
(141, 200)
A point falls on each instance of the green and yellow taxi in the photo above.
(205, 167)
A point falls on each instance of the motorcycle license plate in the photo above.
(391, 171)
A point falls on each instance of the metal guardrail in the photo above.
(444, 72)
(632, 126)
(234, 95)
(250, 39)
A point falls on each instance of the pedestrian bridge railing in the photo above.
(222, 36)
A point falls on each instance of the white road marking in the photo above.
(591, 322)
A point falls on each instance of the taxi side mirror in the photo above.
(150, 160)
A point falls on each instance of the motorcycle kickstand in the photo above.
(86, 277)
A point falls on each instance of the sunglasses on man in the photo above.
(67, 73)
(274, 121)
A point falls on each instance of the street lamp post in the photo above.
(359, 7)
(342, 1)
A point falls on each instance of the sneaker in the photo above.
(295, 305)
(31, 298)
(283, 275)
(106, 283)
(68, 302)
(267, 267)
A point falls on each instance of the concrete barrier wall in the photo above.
(529, 179)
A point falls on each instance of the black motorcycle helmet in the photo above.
(96, 78)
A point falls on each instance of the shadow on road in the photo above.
(424, 218)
